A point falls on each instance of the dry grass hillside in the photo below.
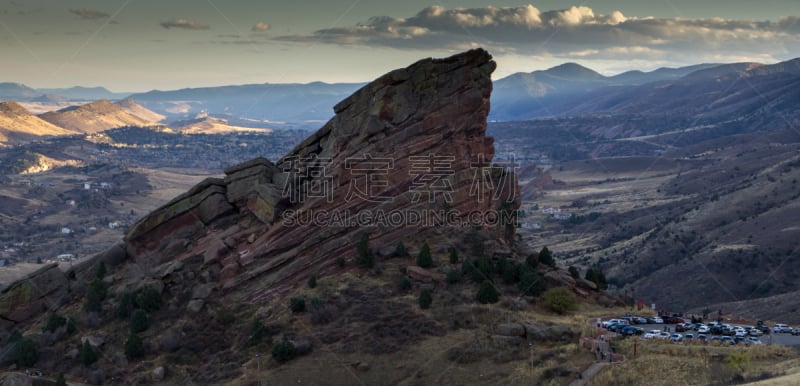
(662, 363)
(95, 117)
(19, 125)
(215, 126)
(138, 110)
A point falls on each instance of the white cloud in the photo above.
(576, 31)
(261, 27)
(184, 23)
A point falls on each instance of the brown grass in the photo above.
(664, 363)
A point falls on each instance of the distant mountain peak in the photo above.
(101, 115)
(12, 108)
(574, 71)
(127, 103)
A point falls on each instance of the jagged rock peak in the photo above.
(411, 143)
(403, 122)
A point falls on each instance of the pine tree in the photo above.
(424, 258)
(71, 325)
(453, 255)
(531, 283)
(134, 347)
(101, 271)
(425, 299)
(487, 293)
(54, 322)
(596, 276)
(88, 356)
(139, 321)
(148, 299)
(312, 281)
(400, 250)
(95, 295)
(283, 351)
(574, 272)
(532, 261)
(546, 257)
(126, 304)
(26, 352)
(364, 258)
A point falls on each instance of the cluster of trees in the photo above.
(597, 277)
(132, 306)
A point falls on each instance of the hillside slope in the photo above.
(95, 117)
(19, 125)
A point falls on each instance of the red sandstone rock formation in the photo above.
(411, 143)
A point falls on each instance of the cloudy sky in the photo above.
(138, 45)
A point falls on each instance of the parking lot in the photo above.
(785, 339)
(772, 338)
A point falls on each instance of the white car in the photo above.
(740, 332)
(703, 329)
(676, 338)
(663, 335)
(658, 320)
(652, 334)
(614, 321)
(754, 340)
(781, 328)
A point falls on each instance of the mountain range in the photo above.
(567, 89)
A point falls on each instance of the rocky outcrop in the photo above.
(411, 143)
(404, 156)
(32, 295)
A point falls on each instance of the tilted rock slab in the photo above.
(422, 125)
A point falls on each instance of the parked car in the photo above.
(663, 335)
(728, 340)
(610, 322)
(630, 330)
(652, 334)
(676, 338)
(655, 320)
(740, 333)
(615, 326)
(640, 320)
(755, 332)
(763, 328)
(689, 336)
(796, 331)
(703, 330)
(781, 328)
(680, 327)
(754, 340)
(702, 338)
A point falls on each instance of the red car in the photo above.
(680, 327)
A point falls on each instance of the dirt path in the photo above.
(587, 374)
(604, 357)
